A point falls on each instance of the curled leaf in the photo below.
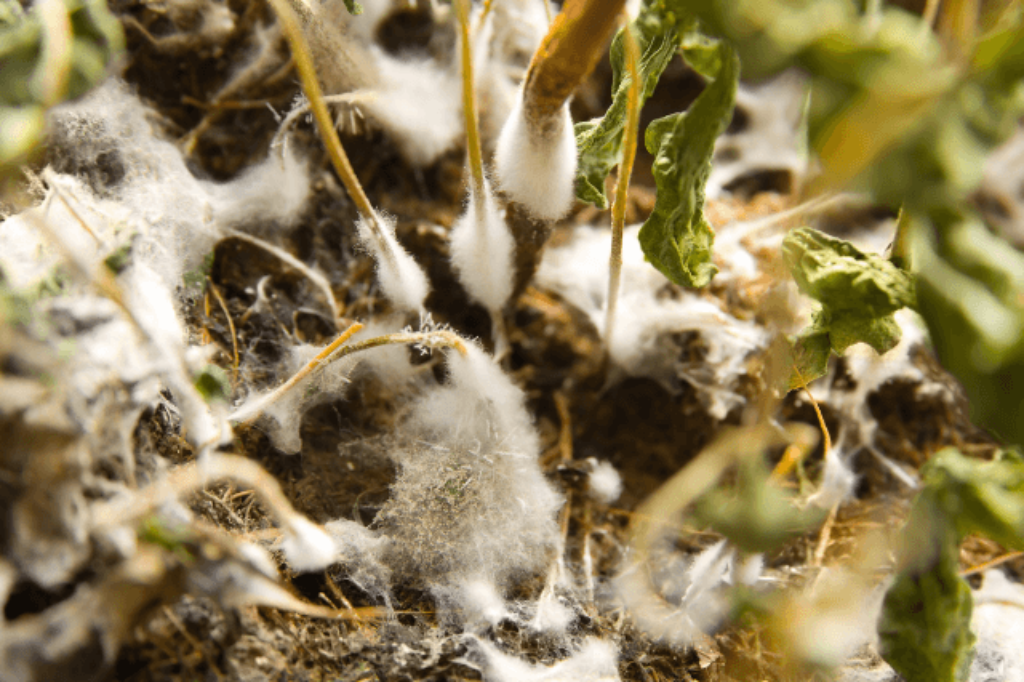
(858, 292)
(677, 238)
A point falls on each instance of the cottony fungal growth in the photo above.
(511, 340)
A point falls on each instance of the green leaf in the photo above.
(213, 384)
(756, 516)
(353, 7)
(599, 142)
(858, 292)
(986, 498)
(676, 238)
(972, 296)
(925, 628)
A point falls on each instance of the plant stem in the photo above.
(436, 339)
(476, 162)
(337, 350)
(629, 135)
(575, 42)
(311, 86)
(321, 358)
(817, 411)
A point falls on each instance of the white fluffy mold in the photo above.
(470, 502)
(536, 162)
(482, 249)
(401, 279)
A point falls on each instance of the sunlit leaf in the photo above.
(858, 292)
(599, 141)
(676, 238)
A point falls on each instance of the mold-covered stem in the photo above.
(629, 135)
(337, 350)
(476, 162)
(437, 339)
(321, 358)
(324, 122)
(574, 44)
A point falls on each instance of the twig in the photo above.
(321, 358)
(180, 627)
(312, 275)
(629, 135)
(231, 512)
(998, 561)
(231, 326)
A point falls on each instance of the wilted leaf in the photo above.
(925, 629)
(858, 292)
(676, 238)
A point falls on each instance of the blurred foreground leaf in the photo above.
(213, 384)
(972, 295)
(925, 627)
(59, 50)
(757, 516)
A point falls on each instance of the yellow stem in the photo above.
(321, 358)
(817, 411)
(311, 86)
(629, 135)
(337, 350)
(476, 162)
